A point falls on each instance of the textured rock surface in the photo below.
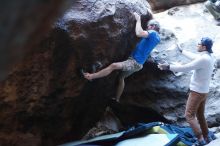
(22, 26)
(164, 4)
(102, 30)
(44, 96)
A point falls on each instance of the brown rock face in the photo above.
(164, 4)
(44, 99)
(22, 26)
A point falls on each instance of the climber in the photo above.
(214, 8)
(150, 38)
(202, 64)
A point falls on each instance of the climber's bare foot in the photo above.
(115, 99)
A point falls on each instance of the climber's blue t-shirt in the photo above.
(145, 46)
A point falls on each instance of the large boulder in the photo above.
(102, 30)
(44, 99)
